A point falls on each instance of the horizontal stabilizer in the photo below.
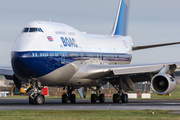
(152, 46)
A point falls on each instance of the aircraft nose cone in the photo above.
(22, 66)
(25, 65)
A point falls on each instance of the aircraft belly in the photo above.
(66, 75)
(59, 76)
(62, 79)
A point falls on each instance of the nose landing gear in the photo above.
(35, 96)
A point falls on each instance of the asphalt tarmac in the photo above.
(84, 104)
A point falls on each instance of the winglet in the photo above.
(120, 24)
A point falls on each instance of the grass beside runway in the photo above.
(88, 115)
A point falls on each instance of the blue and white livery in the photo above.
(55, 54)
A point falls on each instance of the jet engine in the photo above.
(163, 84)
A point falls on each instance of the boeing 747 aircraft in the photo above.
(68, 58)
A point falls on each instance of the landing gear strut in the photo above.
(36, 97)
(97, 96)
(121, 96)
(69, 95)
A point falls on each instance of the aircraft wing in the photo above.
(130, 74)
(90, 71)
(152, 46)
(146, 68)
(7, 72)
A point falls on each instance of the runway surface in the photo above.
(84, 104)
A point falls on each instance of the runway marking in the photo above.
(109, 106)
(54, 104)
(173, 103)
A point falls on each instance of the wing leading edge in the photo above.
(7, 72)
(99, 71)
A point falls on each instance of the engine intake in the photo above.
(163, 84)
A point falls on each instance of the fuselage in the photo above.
(51, 51)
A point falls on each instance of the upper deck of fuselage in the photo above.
(48, 27)
(60, 28)
(49, 36)
(36, 36)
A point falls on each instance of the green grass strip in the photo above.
(88, 115)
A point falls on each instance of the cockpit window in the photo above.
(32, 30)
(25, 29)
(40, 30)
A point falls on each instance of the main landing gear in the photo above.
(97, 96)
(35, 96)
(118, 97)
(121, 96)
(69, 96)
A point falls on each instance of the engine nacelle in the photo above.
(163, 84)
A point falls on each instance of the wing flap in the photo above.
(137, 69)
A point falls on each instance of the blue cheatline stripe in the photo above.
(121, 26)
(40, 63)
(67, 54)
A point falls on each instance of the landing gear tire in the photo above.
(64, 98)
(101, 98)
(115, 98)
(93, 98)
(73, 98)
(39, 99)
(124, 98)
(31, 101)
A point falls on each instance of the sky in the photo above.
(150, 22)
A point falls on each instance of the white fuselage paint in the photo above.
(37, 42)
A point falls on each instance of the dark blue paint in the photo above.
(33, 64)
(121, 26)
